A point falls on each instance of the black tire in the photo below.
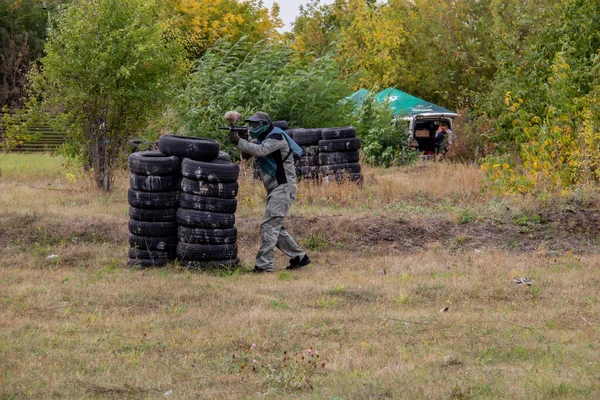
(339, 145)
(207, 236)
(191, 147)
(339, 157)
(308, 172)
(222, 264)
(339, 178)
(153, 163)
(153, 200)
(153, 243)
(310, 151)
(308, 161)
(223, 156)
(209, 189)
(204, 203)
(340, 169)
(205, 219)
(154, 183)
(346, 132)
(158, 215)
(307, 137)
(281, 125)
(215, 171)
(137, 254)
(145, 228)
(146, 262)
(206, 252)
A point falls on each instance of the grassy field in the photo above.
(411, 294)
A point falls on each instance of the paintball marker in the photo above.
(233, 117)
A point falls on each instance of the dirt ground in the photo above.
(572, 230)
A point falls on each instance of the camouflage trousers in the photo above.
(272, 232)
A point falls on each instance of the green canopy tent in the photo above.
(358, 96)
(405, 104)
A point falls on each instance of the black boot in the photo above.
(297, 262)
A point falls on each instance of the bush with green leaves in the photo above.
(262, 76)
(108, 70)
(384, 140)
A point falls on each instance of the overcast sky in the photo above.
(289, 9)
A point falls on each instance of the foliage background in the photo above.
(523, 73)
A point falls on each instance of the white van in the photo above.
(422, 128)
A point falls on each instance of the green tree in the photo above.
(106, 72)
(22, 34)
(263, 76)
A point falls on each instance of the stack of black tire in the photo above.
(308, 165)
(206, 233)
(153, 201)
(339, 156)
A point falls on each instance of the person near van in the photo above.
(274, 151)
(443, 138)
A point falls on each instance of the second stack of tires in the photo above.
(207, 236)
(308, 165)
(339, 155)
(153, 201)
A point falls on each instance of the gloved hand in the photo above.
(233, 138)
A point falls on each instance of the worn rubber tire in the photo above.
(191, 147)
(308, 172)
(218, 171)
(307, 137)
(153, 243)
(209, 189)
(136, 254)
(205, 219)
(154, 183)
(146, 262)
(308, 161)
(281, 125)
(207, 236)
(339, 145)
(339, 169)
(204, 203)
(153, 200)
(223, 156)
(153, 163)
(339, 178)
(339, 157)
(310, 151)
(157, 215)
(145, 228)
(346, 132)
(206, 252)
(222, 264)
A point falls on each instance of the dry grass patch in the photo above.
(388, 257)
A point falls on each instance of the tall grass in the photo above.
(76, 323)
